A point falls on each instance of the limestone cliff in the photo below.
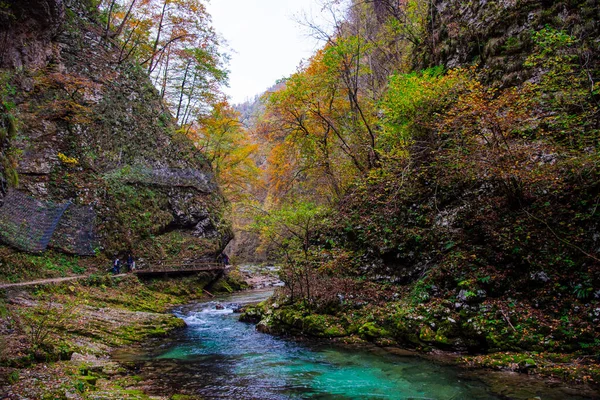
(92, 130)
(497, 35)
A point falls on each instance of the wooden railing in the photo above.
(178, 269)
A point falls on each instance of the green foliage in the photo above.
(292, 228)
(6, 12)
(420, 292)
(371, 331)
(60, 263)
(139, 213)
(13, 377)
(44, 322)
(583, 291)
(290, 222)
(565, 89)
(411, 104)
(8, 129)
(19, 266)
(550, 42)
(322, 123)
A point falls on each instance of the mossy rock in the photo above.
(265, 325)
(88, 379)
(335, 330)
(236, 280)
(441, 339)
(184, 397)
(295, 320)
(371, 331)
(174, 322)
(157, 332)
(527, 364)
(252, 314)
(406, 332)
(314, 325)
(427, 334)
(322, 326)
(222, 286)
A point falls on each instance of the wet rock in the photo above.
(540, 276)
(470, 297)
(526, 365)
(27, 28)
(263, 327)
(237, 309)
(252, 315)
(545, 158)
(463, 295)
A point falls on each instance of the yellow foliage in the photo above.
(70, 161)
(230, 151)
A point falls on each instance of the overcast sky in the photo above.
(265, 42)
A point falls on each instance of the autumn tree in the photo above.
(174, 41)
(292, 228)
(323, 125)
(227, 146)
(323, 114)
(411, 108)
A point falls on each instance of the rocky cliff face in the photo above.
(497, 35)
(93, 130)
(28, 28)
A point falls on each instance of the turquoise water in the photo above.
(218, 357)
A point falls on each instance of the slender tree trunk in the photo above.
(125, 18)
(157, 40)
(307, 264)
(109, 17)
(126, 42)
(163, 87)
(187, 111)
(182, 91)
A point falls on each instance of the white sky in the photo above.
(266, 43)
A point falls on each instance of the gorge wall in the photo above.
(81, 124)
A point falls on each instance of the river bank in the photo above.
(218, 357)
(94, 319)
(437, 333)
(57, 340)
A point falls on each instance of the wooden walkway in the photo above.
(178, 269)
(149, 272)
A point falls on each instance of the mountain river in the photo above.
(218, 357)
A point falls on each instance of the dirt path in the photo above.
(196, 268)
(47, 281)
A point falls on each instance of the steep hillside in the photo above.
(468, 216)
(79, 124)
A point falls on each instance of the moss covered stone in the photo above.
(371, 331)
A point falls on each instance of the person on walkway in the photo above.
(225, 259)
(116, 266)
(130, 263)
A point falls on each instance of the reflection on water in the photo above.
(218, 357)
